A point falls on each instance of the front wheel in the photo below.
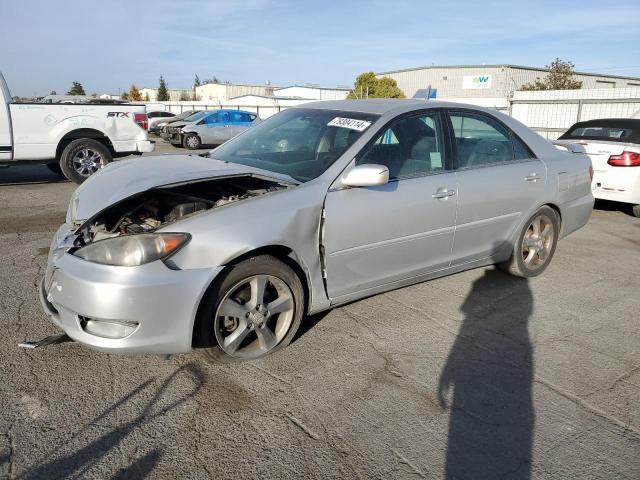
(191, 141)
(82, 158)
(535, 246)
(254, 310)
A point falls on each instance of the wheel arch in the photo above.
(283, 253)
(77, 134)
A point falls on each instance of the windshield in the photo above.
(299, 142)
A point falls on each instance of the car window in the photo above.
(252, 117)
(237, 117)
(153, 114)
(298, 142)
(481, 140)
(166, 114)
(409, 147)
(213, 118)
(223, 117)
(604, 130)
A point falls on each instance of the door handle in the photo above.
(532, 177)
(443, 193)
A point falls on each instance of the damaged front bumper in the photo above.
(147, 309)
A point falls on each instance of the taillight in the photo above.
(625, 159)
(590, 171)
(142, 120)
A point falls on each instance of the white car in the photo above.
(76, 139)
(614, 148)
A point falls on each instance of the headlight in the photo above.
(131, 250)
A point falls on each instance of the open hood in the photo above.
(120, 180)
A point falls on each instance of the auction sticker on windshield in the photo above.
(350, 123)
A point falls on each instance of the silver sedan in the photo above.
(317, 206)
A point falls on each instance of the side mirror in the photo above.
(368, 175)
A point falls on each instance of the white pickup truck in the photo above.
(75, 139)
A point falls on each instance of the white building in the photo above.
(175, 94)
(222, 92)
(312, 92)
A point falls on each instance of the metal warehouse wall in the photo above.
(504, 80)
(551, 112)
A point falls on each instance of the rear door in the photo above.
(499, 182)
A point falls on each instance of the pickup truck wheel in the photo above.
(535, 246)
(191, 141)
(82, 158)
(55, 168)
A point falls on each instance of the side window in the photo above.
(520, 150)
(166, 114)
(223, 117)
(480, 140)
(252, 117)
(211, 119)
(410, 147)
(237, 117)
(153, 114)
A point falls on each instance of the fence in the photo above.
(551, 113)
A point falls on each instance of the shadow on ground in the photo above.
(27, 174)
(490, 370)
(75, 463)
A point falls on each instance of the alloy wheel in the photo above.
(537, 242)
(254, 316)
(87, 162)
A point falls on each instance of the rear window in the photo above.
(604, 131)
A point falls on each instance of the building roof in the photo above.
(315, 87)
(270, 97)
(504, 65)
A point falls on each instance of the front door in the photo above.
(378, 235)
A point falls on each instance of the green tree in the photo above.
(213, 79)
(125, 96)
(367, 85)
(163, 93)
(134, 93)
(560, 77)
(76, 89)
(184, 96)
(196, 81)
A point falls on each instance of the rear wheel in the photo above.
(191, 141)
(253, 311)
(535, 246)
(82, 158)
(635, 209)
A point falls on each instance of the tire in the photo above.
(82, 158)
(55, 168)
(635, 210)
(250, 331)
(534, 250)
(191, 141)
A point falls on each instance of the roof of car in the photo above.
(381, 106)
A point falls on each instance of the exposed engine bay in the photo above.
(155, 208)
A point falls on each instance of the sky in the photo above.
(107, 45)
